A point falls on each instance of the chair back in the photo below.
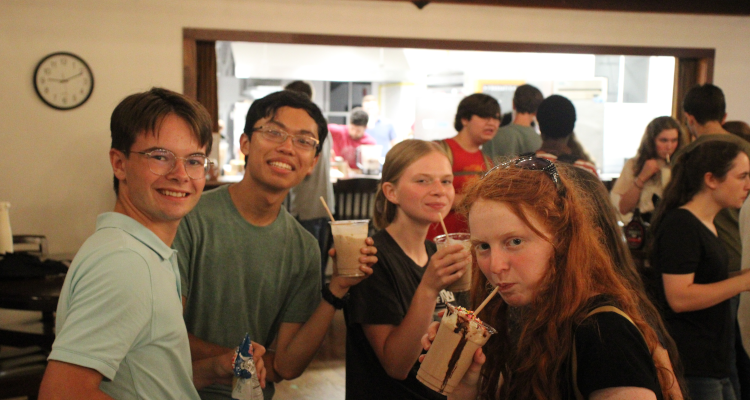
(355, 198)
(32, 244)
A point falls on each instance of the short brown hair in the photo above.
(143, 113)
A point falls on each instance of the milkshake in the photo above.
(348, 238)
(442, 241)
(458, 338)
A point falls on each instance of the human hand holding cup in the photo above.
(464, 283)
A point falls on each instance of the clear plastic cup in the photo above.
(464, 283)
(452, 351)
(348, 238)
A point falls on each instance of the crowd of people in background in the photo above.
(158, 297)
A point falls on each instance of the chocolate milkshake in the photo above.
(459, 336)
(348, 238)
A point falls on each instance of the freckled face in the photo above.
(508, 251)
(424, 189)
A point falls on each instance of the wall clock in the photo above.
(63, 81)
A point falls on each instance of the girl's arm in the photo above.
(398, 347)
(683, 294)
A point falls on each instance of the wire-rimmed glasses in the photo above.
(276, 135)
(162, 162)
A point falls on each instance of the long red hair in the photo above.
(580, 269)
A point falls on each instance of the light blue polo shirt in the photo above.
(120, 313)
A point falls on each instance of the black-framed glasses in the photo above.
(276, 135)
(162, 161)
(533, 163)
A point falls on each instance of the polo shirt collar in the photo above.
(136, 230)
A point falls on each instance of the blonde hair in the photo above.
(399, 157)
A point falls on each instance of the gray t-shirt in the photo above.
(305, 198)
(512, 140)
(240, 278)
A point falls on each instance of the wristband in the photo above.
(336, 302)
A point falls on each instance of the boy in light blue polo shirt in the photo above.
(120, 331)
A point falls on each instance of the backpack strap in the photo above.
(447, 149)
(574, 359)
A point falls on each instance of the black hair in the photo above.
(359, 117)
(705, 103)
(143, 113)
(269, 105)
(556, 116)
(478, 104)
(300, 86)
(689, 170)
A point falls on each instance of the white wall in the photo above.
(54, 165)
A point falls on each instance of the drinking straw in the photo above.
(487, 300)
(444, 228)
(322, 200)
(667, 158)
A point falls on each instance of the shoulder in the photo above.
(611, 352)
(679, 218)
(293, 230)
(337, 130)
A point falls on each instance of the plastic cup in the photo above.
(463, 284)
(452, 351)
(348, 238)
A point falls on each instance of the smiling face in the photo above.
(666, 143)
(480, 129)
(508, 251)
(154, 199)
(732, 190)
(280, 166)
(424, 189)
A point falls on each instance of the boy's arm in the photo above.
(69, 381)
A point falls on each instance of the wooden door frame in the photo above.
(190, 36)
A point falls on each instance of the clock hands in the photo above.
(65, 80)
(70, 77)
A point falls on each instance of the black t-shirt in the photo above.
(383, 298)
(611, 352)
(683, 245)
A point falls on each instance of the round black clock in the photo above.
(63, 81)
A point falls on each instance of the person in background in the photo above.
(477, 119)
(704, 107)
(379, 129)
(557, 118)
(742, 342)
(520, 137)
(534, 238)
(644, 177)
(246, 264)
(739, 128)
(695, 285)
(304, 199)
(120, 332)
(346, 138)
(388, 313)
(605, 219)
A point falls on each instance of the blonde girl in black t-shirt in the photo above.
(388, 313)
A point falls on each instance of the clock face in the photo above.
(63, 81)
